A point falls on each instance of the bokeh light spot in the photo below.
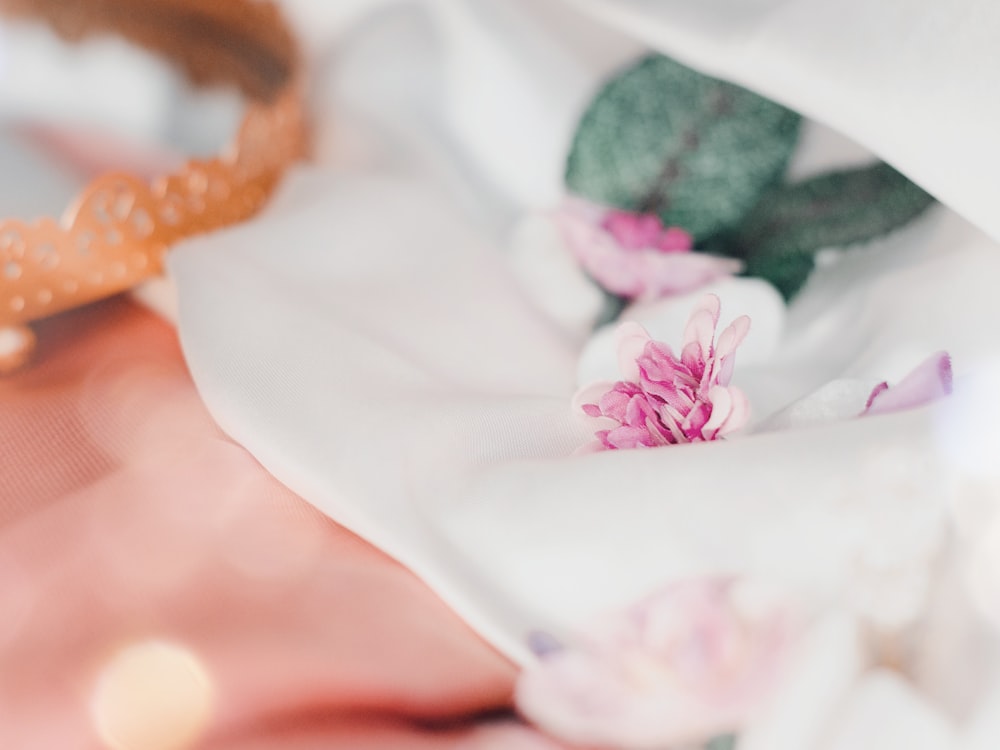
(152, 695)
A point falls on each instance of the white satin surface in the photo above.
(368, 341)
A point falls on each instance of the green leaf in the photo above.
(662, 138)
(780, 237)
(726, 742)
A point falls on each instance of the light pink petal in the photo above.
(724, 361)
(628, 437)
(732, 336)
(638, 411)
(697, 419)
(597, 252)
(590, 394)
(664, 274)
(630, 339)
(667, 391)
(615, 404)
(930, 380)
(657, 363)
(658, 434)
(703, 322)
(722, 408)
(739, 414)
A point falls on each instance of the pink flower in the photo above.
(634, 255)
(666, 400)
(688, 663)
(929, 381)
(645, 232)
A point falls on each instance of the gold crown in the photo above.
(117, 231)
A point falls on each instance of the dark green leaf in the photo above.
(780, 237)
(699, 152)
(727, 742)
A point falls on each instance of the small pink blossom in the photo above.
(645, 232)
(666, 400)
(686, 664)
(929, 381)
(634, 255)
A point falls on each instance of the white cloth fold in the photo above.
(370, 346)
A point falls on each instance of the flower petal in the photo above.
(725, 349)
(665, 274)
(590, 394)
(703, 321)
(930, 380)
(630, 342)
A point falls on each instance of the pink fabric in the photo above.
(126, 515)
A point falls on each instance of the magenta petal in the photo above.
(639, 411)
(633, 231)
(615, 404)
(696, 421)
(929, 381)
(674, 239)
(629, 437)
(657, 363)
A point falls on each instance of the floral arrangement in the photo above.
(676, 185)
(692, 453)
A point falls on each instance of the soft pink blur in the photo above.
(688, 663)
(125, 515)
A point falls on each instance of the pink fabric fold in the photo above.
(125, 515)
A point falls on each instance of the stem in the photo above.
(717, 103)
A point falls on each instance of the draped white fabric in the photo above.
(368, 341)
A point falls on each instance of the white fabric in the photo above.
(366, 340)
